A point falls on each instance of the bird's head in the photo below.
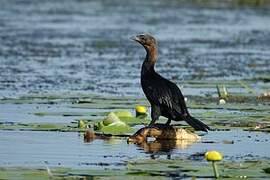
(146, 40)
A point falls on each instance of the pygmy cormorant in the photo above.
(164, 96)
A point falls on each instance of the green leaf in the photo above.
(123, 113)
(118, 127)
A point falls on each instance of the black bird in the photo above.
(164, 96)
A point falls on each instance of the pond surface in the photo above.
(84, 45)
(31, 149)
(56, 54)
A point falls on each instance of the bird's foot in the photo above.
(168, 122)
(151, 125)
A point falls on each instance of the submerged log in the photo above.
(162, 132)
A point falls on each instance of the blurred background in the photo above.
(83, 45)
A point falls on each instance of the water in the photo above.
(84, 45)
(67, 149)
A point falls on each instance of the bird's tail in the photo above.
(197, 124)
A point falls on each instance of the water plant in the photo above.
(140, 110)
(112, 125)
(82, 124)
(214, 156)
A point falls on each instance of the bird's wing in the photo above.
(177, 98)
(166, 94)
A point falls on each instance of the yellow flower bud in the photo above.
(213, 156)
(141, 109)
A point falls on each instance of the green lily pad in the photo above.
(112, 125)
(203, 169)
(82, 124)
(134, 120)
(127, 117)
(116, 128)
(111, 118)
(39, 127)
(123, 113)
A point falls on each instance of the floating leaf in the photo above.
(82, 124)
(39, 127)
(118, 127)
(111, 118)
(123, 113)
(134, 120)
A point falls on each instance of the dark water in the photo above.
(80, 45)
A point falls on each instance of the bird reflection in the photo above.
(164, 145)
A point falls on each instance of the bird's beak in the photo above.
(135, 38)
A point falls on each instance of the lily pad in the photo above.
(123, 113)
(112, 125)
(116, 128)
(135, 120)
(38, 127)
(111, 118)
(185, 168)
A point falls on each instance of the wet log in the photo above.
(162, 132)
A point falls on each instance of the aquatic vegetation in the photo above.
(214, 156)
(135, 120)
(111, 118)
(250, 113)
(118, 122)
(185, 168)
(114, 128)
(141, 111)
(123, 113)
(75, 66)
(81, 124)
(241, 111)
(232, 115)
(39, 127)
(112, 125)
(144, 169)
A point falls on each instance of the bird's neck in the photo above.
(150, 59)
